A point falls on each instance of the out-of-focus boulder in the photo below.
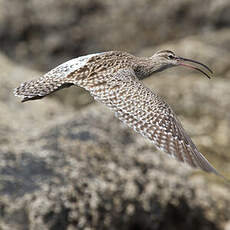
(45, 33)
(87, 171)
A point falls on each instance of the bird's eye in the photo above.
(170, 56)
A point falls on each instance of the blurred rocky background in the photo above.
(67, 163)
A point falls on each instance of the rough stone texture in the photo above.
(89, 172)
(45, 33)
(62, 168)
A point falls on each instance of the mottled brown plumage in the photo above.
(113, 78)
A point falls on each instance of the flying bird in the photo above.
(114, 79)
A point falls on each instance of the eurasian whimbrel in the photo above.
(113, 78)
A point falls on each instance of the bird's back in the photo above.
(99, 68)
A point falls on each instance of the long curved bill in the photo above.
(194, 67)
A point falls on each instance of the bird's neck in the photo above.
(147, 66)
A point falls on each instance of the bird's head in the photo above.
(167, 59)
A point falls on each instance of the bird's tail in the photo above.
(39, 88)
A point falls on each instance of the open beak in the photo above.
(183, 60)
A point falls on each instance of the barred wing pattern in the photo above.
(52, 81)
(146, 113)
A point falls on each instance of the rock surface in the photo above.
(44, 33)
(62, 167)
(89, 172)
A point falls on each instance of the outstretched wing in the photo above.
(146, 113)
(52, 81)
